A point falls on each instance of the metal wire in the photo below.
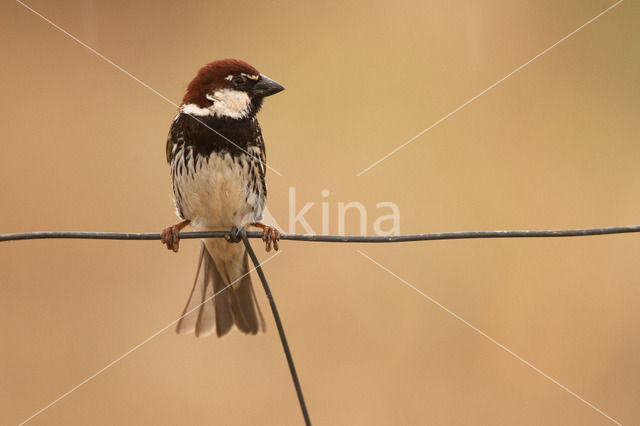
(283, 337)
(244, 235)
(334, 238)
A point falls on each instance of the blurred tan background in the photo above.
(554, 146)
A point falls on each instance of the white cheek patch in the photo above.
(229, 103)
(193, 109)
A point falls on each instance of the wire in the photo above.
(333, 238)
(276, 317)
(234, 235)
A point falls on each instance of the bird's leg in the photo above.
(270, 234)
(170, 236)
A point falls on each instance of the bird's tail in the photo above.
(217, 302)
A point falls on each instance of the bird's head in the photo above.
(228, 88)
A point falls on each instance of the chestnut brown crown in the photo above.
(228, 74)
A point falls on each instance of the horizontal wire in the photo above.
(333, 238)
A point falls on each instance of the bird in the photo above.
(216, 153)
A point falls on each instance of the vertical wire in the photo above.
(276, 317)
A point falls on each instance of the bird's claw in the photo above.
(270, 235)
(171, 235)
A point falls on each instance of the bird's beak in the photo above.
(266, 87)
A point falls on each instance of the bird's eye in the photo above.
(238, 80)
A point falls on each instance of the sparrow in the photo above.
(217, 157)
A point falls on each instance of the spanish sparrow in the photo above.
(217, 157)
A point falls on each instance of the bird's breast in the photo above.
(219, 190)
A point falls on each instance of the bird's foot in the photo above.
(270, 235)
(170, 236)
